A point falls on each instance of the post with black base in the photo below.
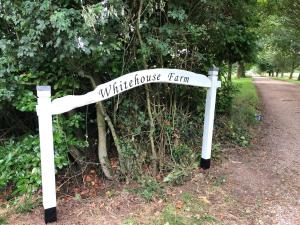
(50, 215)
(209, 118)
(47, 152)
(205, 163)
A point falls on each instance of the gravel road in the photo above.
(266, 181)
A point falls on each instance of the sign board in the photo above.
(127, 82)
(47, 108)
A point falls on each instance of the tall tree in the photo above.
(280, 35)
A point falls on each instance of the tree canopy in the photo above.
(280, 37)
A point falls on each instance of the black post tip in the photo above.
(205, 163)
(50, 215)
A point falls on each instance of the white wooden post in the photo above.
(209, 118)
(47, 152)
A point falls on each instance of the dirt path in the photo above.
(260, 185)
(266, 181)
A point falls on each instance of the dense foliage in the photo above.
(279, 37)
(75, 45)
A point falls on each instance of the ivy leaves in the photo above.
(178, 14)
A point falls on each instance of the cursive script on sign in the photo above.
(126, 82)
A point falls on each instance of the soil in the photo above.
(256, 185)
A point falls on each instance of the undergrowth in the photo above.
(244, 110)
(3, 221)
(149, 188)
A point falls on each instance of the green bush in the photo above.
(20, 158)
(20, 165)
(225, 97)
(183, 154)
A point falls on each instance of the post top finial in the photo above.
(213, 71)
(43, 88)
(43, 91)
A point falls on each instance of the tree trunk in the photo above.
(277, 72)
(298, 77)
(291, 75)
(102, 147)
(115, 137)
(148, 99)
(281, 74)
(229, 70)
(101, 126)
(241, 70)
(75, 154)
(292, 71)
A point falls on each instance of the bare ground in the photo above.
(260, 185)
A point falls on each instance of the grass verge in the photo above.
(188, 210)
(245, 102)
(245, 111)
(287, 79)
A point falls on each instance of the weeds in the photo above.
(244, 109)
(3, 220)
(170, 216)
(192, 204)
(219, 181)
(129, 221)
(245, 103)
(26, 203)
(217, 153)
(149, 188)
(173, 216)
(186, 197)
(178, 175)
(207, 218)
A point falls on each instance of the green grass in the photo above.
(244, 108)
(247, 92)
(26, 204)
(129, 221)
(185, 216)
(148, 188)
(192, 211)
(245, 102)
(287, 79)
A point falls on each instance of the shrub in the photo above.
(20, 158)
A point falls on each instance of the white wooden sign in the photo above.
(127, 82)
(46, 108)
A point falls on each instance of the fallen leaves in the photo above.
(179, 204)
